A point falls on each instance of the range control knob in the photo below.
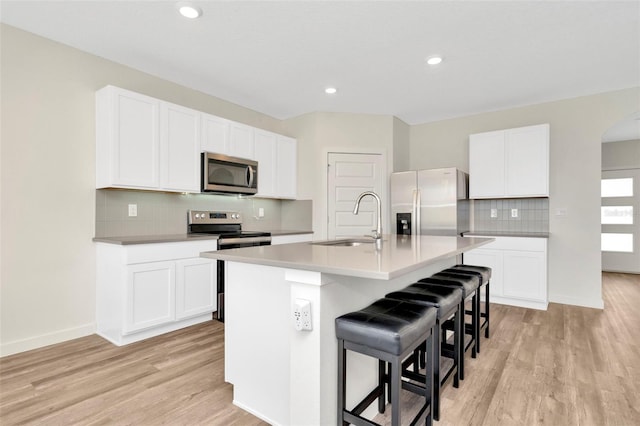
(197, 215)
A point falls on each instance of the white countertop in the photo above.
(175, 238)
(399, 255)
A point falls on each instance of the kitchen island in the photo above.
(289, 377)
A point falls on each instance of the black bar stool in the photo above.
(471, 281)
(389, 330)
(447, 301)
(469, 286)
(484, 272)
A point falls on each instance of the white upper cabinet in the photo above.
(486, 165)
(277, 159)
(145, 143)
(510, 163)
(286, 171)
(215, 134)
(127, 139)
(241, 142)
(527, 161)
(266, 147)
(179, 148)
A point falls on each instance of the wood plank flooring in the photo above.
(566, 366)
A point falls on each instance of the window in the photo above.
(617, 242)
(616, 187)
(616, 215)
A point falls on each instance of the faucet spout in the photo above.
(377, 233)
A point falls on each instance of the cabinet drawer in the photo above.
(515, 243)
(141, 253)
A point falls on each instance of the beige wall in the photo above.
(577, 126)
(621, 155)
(320, 133)
(48, 181)
(401, 145)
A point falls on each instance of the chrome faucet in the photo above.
(377, 233)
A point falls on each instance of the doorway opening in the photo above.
(620, 192)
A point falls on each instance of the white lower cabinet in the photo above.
(149, 297)
(519, 270)
(195, 287)
(144, 290)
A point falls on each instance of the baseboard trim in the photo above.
(23, 345)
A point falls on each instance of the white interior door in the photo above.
(349, 175)
(620, 218)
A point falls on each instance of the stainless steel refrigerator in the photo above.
(430, 202)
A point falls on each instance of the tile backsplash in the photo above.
(532, 215)
(162, 213)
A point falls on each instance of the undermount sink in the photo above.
(345, 243)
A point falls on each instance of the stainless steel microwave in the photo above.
(231, 175)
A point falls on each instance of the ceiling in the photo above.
(278, 57)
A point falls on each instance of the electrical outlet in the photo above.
(494, 213)
(261, 212)
(133, 210)
(514, 212)
(302, 315)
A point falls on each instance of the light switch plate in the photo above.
(133, 210)
(494, 213)
(514, 212)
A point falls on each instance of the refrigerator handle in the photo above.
(415, 223)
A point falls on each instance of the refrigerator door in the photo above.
(439, 201)
(403, 210)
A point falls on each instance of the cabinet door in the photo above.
(195, 287)
(134, 139)
(150, 294)
(486, 165)
(492, 259)
(215, 134)
(179, 148)
(241, 141)
(287, 168)
(266, 147)
(525, 275)
(527, 161)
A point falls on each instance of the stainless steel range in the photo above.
(228, 227)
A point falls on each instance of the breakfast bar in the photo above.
(287, 376)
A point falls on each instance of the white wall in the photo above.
(577, 126)
(47, 290)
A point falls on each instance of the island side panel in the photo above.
(257, 349)
(314, 354)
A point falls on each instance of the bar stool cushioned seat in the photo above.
(386, 325)
(389, 330)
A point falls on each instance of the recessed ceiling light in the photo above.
(189, 11)
(434, 60)
(330, 90)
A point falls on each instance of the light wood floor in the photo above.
(565, 366)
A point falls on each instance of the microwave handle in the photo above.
(251, 176)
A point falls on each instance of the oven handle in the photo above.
(248, 240)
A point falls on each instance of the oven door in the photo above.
(221, 173)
